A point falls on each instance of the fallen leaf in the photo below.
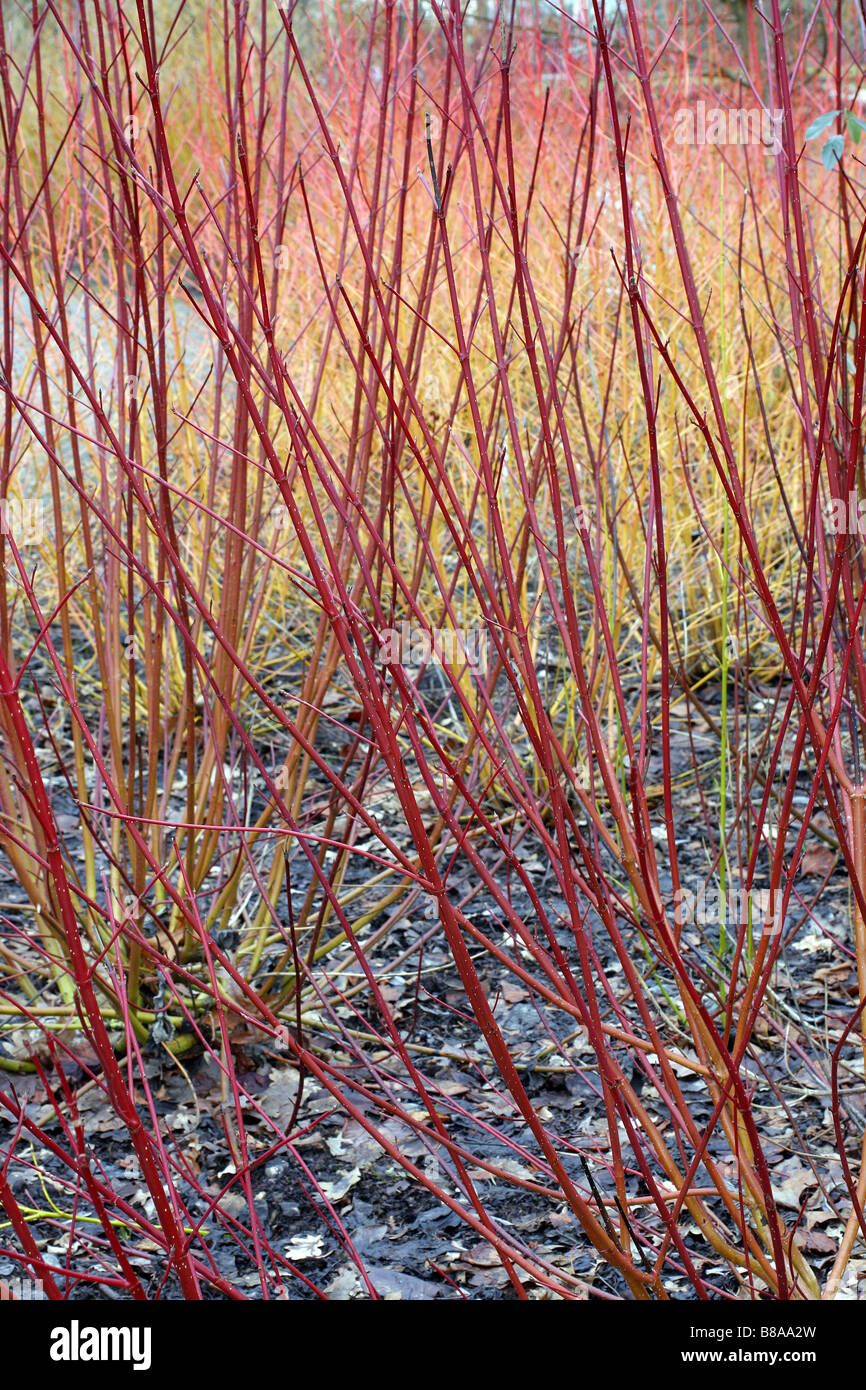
(346, 1285)
(815, 1240)
(817, 862)
(305, 1248)
(338, 1188)
(811, 943)
(393, 1284)
(790, 1183)
(483, 1256)
(514, 994)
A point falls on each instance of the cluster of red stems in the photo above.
(414, 198)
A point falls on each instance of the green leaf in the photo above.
(855, 125)
(819, 125)
(831, 152)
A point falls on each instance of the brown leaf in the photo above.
(483, 1256)
(394, 1284)
(817, 862)
(789, 1185)
(514, 994)
(816, 1240)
